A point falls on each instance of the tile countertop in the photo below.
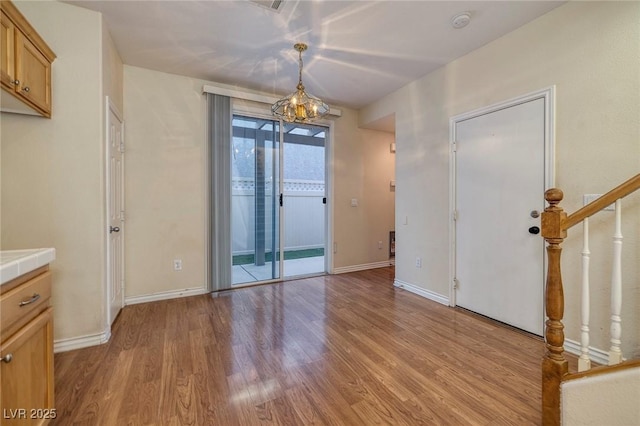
(14, 263)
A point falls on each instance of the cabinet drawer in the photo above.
(23, 303)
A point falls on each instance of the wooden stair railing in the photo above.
(555, 223)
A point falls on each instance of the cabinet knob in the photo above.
(26, 89)
(15, 82)
(7, 358)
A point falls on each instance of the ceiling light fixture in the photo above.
(299, 107)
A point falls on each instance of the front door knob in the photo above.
(534, 230)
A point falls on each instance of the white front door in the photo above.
(500, 183)
(115, 211)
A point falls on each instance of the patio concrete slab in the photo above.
(242, 274)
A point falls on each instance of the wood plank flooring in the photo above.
(336, 350)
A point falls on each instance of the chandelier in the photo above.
(300, 106)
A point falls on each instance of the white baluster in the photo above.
(584, 363)
(615, 354)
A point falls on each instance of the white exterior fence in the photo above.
(304, 214)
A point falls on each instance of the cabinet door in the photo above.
(33, 71)
(7, 50)
(27, 379)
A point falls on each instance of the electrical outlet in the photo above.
(418, 262)
(177, 264)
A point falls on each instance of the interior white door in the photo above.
(115, 209)
(500, 170)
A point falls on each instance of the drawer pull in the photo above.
(30, 301)
(7, 358)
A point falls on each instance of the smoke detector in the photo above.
(461, 20)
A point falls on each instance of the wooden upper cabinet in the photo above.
(33, 71)
(26, 65)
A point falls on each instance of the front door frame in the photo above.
(548, 94)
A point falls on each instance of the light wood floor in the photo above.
(344, 349)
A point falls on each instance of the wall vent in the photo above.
(273, 5)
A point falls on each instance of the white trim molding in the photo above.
(595, 354)
(427, 294)
(364, 266)
(165, 295)
(70, 344)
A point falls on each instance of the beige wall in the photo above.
(52, 170)
(590, 51)
(112, 71)
(604, 399)
(165, 182)
(165, 185)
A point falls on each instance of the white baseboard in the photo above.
(422, 292)
(64, 345)
(595, 354)
(364, 266)
(165, 295)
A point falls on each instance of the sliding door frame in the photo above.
(250, 109)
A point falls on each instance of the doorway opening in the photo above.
(278, 200)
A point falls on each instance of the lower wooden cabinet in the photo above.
(26, 356)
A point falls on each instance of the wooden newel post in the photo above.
(554, 365)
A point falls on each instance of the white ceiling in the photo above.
(359, 51)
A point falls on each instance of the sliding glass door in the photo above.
(255, 200)
(278, 200)
(304, 209)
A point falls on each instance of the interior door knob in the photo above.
(534, 230)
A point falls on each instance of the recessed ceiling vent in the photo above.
(272, 5)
